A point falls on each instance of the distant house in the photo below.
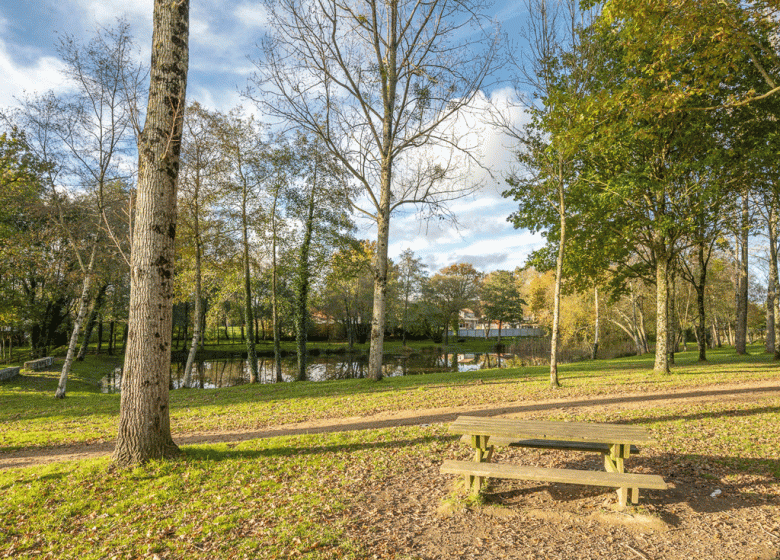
(473, 325)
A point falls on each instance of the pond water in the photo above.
(227, 373)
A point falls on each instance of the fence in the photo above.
(522, 331)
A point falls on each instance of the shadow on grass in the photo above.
(281, 451)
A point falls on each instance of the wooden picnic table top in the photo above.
(590, 432)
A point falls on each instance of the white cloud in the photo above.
(104, 13)
(43, 74)
(252, 15)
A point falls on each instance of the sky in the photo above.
(223, 42)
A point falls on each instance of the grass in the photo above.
(30, 416)
(291, 496)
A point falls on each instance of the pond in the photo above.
(215, 374)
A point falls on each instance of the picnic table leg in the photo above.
(482, 454)
(614, 461)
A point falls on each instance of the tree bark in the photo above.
(557, 291)
(251, 352)
(197, 317)
(597, 324)
(701, 327)
(662, 314)
(380, 285)
(96, 305)
(74, 337)
(302, 285)
(144, 423)
(275, 296)
(740, 336)
(771, 294)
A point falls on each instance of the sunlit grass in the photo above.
(30, 416)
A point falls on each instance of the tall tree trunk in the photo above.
(96, 305)
(302, 284)
(701, 327)
(275, 295)
(673, 319)
(144, 420)
(197, 317)
(771, 294)
(662, 314)
(251, 352)
(74, 337)
(100, 335)
(186, 325)
(558, 281)
(380, 285)
(111, 335)
(597, 324)
(740, 336)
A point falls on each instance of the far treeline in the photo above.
(649, 162)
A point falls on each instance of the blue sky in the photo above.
(223, 37)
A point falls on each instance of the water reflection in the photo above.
(228, 373)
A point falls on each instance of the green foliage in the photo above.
(500, 298)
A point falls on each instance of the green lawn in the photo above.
(30, 416)
(291, 496)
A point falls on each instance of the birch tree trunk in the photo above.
(380, 285)
(144, 420)
(251, 353)
(74, 336)
(197, 319)
(93, 314)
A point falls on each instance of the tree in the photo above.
(411, 279)
(200, 165)
(500, 299)
(454, 288)
(380, 83)
(144, 423)
(243, 152)
(318, 203)
(347, 290)
(557, 67)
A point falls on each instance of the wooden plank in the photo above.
(566, 476)
(500, 441)
(552, 430)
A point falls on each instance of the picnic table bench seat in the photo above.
(632, 481)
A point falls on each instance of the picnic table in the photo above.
(615, 442)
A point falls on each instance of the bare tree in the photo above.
(378, 82)
(144, 423)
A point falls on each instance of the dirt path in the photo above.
(729, 392)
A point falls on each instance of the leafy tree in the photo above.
(411, 279)
(500, 299)
(454, 288)
(347, 290)
(197, 197)
(318, 203)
